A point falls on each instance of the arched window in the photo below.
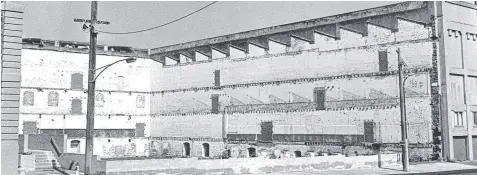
(53, 98)
(99, 100)
(140, 101)
(28, 98)
(186, 149)
(205, 150)
(75, 144)
(77, 81)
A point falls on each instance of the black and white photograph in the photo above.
(238, 87)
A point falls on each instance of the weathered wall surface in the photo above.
(341, 122)
(174, 147)
(12, 21)
(110, 147)
(194, 126)
(357, 52)
(56, 98)
(246, 166)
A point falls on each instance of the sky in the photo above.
(54, 20)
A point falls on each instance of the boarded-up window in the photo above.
(53, 98)
(99, 100)
(266, 131)
(383, 60)
(217, 77)
(140, 101)
(77, 81)
(215, 103)
(319, 95)
(28, 98)
(140, 127)
(76, 106)
(369, 131)
(29, 127)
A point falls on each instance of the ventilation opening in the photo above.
(205, 150)
(297, 154)
(186, 149)
(252, 152)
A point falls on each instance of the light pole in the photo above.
(90, 108)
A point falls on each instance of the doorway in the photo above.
(186, 149)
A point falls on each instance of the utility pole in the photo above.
(91, 89)
(402, 100)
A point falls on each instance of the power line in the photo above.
(152, 28)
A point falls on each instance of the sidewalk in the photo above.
(431, 168)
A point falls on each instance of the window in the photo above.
(28, 98)
(205, 150)
(217, 77)
(186, 149)
(76, 106)
(459, 119)
(77, 81)
(319, 95)
(140, 127)
(53, 98)
(75, 143)
(383, 60)
(475, 117)
(99, 100)
(215, 103)
(140, 101)
(121, 83)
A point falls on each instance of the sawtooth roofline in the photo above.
(302, 25)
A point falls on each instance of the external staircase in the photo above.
(45, 160)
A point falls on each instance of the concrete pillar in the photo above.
(12, 15)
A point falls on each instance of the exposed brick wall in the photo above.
(175, 148)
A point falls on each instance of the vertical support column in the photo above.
(12, 22)
(447, 144)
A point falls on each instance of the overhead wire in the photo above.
(162, 25)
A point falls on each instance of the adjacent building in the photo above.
(53, 94)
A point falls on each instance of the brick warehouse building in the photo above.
(318, 84)
(303, 87)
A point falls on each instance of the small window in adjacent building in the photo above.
(475, 117)
(383, 60)
(99, 100)
(459, 119)
(215, 103)
(53, 98)
(140, 128)
(28, 98)
(319, 95)
(217, 77)
(76, 106)
(140, 101)
(77, 81)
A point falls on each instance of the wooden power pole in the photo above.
(402, 102)
(91, 89)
